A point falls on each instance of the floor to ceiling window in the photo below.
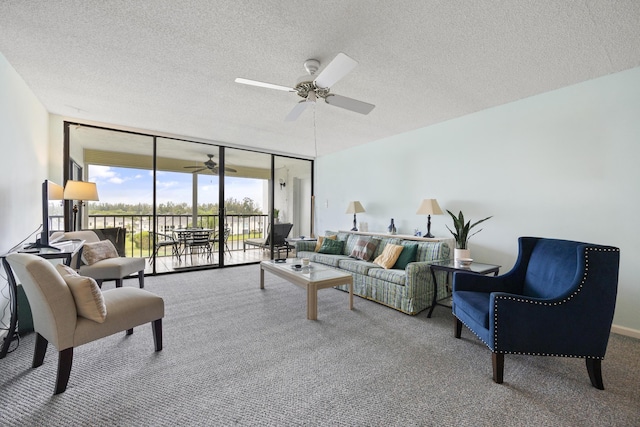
(188, 204)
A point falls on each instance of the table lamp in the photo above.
(429, 207)
(80, 191)
(354, 207)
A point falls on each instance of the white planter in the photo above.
(461, 253)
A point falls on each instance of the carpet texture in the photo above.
(237, 355)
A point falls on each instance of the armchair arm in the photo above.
(305, 246)
(419, 280)
(559, 326)
(463, 281)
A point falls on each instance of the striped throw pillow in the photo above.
(364, 248)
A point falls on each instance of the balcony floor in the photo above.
(166, 264)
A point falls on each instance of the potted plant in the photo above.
(276, 215)
(461, 234)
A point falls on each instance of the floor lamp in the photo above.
(80, 191)
(429, 207)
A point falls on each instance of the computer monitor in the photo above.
(50, 191)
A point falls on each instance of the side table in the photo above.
(67, 249)
(450, 266)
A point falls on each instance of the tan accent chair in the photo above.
(107, 269)
(56, 321)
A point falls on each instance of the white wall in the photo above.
(23, 163)
(562, 164)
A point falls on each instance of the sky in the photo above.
(133, 186)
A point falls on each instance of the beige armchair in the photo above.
(116, 268)
(70, 311)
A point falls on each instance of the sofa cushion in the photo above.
(389, 255)
(407, 255)
(330, 260)
(384, 241)
(474, 304)
(399, 277)
(321, 238)
(86, 293)
(97, 251)
(357, 266)
(364, 248)
(431, 251)
(330, 246)
(350, 243)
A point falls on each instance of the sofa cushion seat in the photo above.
(475, 305)
(399, 277)
(356, 266)
(328, 259)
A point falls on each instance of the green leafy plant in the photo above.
(276, 213)
(462, 229)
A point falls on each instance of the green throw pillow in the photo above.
(407, 255)
(333, 247)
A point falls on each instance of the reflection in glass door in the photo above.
(246, 206)
(292, 194)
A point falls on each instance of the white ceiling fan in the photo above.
(312, 87)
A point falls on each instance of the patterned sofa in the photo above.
(409, 290)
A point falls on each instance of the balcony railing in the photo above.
(139, 240)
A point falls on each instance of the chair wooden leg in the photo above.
(118, 283)
(156, 327)
(141, 278)
(99, 282)
(40, 350)
(594, 367)
(65, 360)
(130, 331)
(457, 327)
(498, 366)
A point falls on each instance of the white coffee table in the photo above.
(311, 278)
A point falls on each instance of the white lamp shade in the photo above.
(429, 207)
(80, 190)
(354, 208)
(54, 191)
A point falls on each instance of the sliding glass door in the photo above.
(188, 204)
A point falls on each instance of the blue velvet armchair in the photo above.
(557, 300)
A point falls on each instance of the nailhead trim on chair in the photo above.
(567, 299)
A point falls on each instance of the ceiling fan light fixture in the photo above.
(311, 97)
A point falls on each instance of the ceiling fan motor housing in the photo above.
(306, 84)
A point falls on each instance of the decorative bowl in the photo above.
(464, 262)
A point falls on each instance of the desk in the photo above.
(67, 250)
(451, 266)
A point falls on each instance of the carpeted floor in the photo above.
(237, 355)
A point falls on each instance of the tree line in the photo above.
(233, 207)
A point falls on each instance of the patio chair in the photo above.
(279, 235)
(215, 240)
(198, 242)
(163, 241)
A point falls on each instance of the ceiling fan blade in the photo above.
(337, 69)
(349, 104)
(263, 84)
(197, 170)
(232, 170)
(192, 167)
(297, 110)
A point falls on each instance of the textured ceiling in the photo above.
(169, 65)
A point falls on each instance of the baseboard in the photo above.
(621, 330)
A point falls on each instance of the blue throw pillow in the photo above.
(333, 247)
(407, 255)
